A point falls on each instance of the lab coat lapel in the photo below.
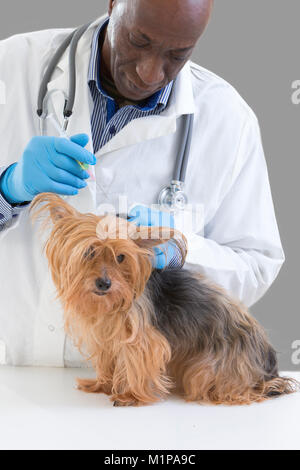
(181, 102)
(80, 122)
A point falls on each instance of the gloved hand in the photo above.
(48, 164)
(142, 215)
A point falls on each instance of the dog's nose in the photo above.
(103, 283)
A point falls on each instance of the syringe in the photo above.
(62, 133)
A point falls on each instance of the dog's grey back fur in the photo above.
(184, 306)
(193, 314)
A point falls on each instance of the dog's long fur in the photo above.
(154, 331)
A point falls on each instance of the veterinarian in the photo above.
(134, 81)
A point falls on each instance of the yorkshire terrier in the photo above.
(148, 332)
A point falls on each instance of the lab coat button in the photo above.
(51, 328)
(112, 130)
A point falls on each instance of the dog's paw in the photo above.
(127, 403)
(92, 386)
(125, 400)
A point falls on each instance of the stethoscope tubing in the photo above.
(49, 71)
(72, 69)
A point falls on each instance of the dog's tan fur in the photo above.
(134, 362)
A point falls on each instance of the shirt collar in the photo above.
(159, 98)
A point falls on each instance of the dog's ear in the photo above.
(55, 207)
(61, 211)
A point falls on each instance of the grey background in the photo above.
(253, 45)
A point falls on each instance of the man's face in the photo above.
(148, 42)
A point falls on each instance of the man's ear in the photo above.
(55, 207)
(110, 6)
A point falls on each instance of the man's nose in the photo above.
(150, 71)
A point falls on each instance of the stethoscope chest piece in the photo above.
(172, 197)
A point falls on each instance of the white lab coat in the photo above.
(239, 246)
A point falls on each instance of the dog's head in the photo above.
(99, 264)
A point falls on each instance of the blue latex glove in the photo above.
(142, 215)
(48, 164)
(163, 254)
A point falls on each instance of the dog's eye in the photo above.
(90, 253)
(120, 258)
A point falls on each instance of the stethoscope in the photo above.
(171, 197)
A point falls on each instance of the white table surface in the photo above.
(40, 408)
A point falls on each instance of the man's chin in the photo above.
(130, 92)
